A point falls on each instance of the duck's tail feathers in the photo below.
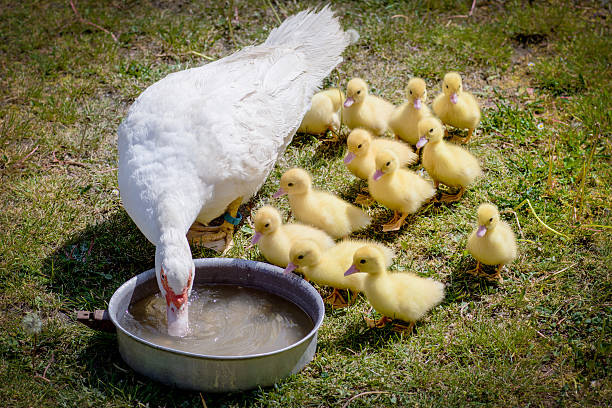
(316, 34)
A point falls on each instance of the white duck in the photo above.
(203, 140)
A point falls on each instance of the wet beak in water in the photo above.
(177, 307)
(178, 320)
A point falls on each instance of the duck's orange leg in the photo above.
(219, 237)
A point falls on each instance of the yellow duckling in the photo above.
(275, 238)
(400, 190)
(318, 208)
(405, 118)
(324, 112)
(397, 295)
(363, 110)
(457, 107)
(492, 243)
(326, 268)
(362, 148)
(445, 162)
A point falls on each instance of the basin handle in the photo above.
(98, 320)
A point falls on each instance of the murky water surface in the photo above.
(224, 320)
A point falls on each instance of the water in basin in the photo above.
(224, 320)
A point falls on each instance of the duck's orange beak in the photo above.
(177, 307)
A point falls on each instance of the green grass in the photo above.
(542, 338)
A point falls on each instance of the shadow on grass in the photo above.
(108, 374)
(85, 272)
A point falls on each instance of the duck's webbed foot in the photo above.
(402, 328)
(378, 324)
(451, 198)
(218, 238)
(336, 300)
(396, 222)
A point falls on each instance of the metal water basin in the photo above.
(219, 373)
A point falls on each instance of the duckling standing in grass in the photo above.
(318, 208)
(327, 268)
(324, 112)
(405, 118)
(275, 238)
(362, 148)
(365, 111)
(397, 295)
(400, 190)
(457, 107)
(445, 162)
(492, 243)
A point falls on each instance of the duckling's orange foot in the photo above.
(378, 324)
(334, 138)
(402, 328)
(395, 224)
(451, 198)
(336, 300)
(363, 199)
(218, 238)
(477, 271)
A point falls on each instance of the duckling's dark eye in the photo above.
(290, 184)
(362, 261)
(410, 92)
(446, 86)
(359, 147)
(267, 225)
(300, 256)
(430, 130)
(358, 92)
(490, 219)
(388, 163)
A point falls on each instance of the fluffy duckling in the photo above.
(492, 243)
(326, 268)
(363, 110)
(457, 107)
(405, 118)
(323, 114)
(318, 208)
(445, 162)
(362, 148)
(400, 190)
(275, 238)
(402, 296)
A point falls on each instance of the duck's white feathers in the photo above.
(198, 139)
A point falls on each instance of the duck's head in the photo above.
(430, 129)
(175, 270)
(303, 253)
(488, 217)
(358, 143)
(416, 92)
(266, 220)
(367, 259)
(356, 92)
(294, 181)
(386, 162)
(452, 86)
